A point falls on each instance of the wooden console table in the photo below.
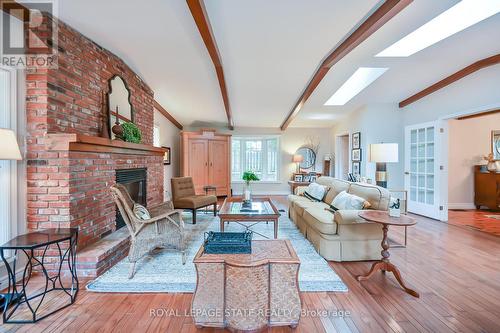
(248, 292)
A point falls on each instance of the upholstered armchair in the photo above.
(165, 228)
(184, 196)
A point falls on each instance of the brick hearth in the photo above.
(70, 169)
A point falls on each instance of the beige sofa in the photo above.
(342, 236)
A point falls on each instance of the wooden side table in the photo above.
(384, 264)
(248, 292)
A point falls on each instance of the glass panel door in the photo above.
(422, 169)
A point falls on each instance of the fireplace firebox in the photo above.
(135, 182)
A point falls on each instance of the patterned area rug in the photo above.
(163, 271)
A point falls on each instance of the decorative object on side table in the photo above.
(384, 264)
(394, 209)
(492, 165)
(297, 159)
(167, 156)
(248, 176)
(34, 245)
(264, 282)
(228, 242)
(298, 178)
(381, 154)
(356, 140)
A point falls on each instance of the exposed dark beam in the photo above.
(167, 115)
(380, 16)
(481, 114)
(490, 61)
(197, 8)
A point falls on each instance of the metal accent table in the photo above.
(35, 246)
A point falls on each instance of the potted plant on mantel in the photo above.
(248, 176)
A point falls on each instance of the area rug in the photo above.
(163, 271)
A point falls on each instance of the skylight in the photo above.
(459, 17)
(362, 78)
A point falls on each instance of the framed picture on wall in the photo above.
(356, 168)
(356, 140)
(356, 155)
(298, 178)
(167, 157)
(495, 145)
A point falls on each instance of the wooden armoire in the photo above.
(206, 156)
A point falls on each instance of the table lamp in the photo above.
(10, 148)
(383, 153)
(297, 159)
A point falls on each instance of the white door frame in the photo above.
(337, 150)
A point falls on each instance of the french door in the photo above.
(425, 169)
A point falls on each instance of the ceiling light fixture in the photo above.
(362, 78)
(457, 18)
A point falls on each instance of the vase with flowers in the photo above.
(492, 165)
(248, 177)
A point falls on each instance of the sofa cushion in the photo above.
(301, 206)
(377, 196)
(315, 191)
(195, 201)
(336, 186)
(348, 201)
(321, 220)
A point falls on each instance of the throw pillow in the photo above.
(141, 212)
(315, 192)
(347, 201)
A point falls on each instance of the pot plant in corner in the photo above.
(131, 133)
(248, 176)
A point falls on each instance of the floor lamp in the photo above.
(383, 153)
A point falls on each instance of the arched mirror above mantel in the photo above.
(119, 105)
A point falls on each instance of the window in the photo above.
(156, 136)
(257, 154)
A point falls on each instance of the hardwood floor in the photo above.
(476, 219)
(455, 270)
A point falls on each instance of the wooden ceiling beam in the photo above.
(483, 63)
(480, 114)
(199, 13)
(167, 115)
(380, 16)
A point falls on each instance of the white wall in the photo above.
(290, 141)
(169, 137)
(377, 123)
(469, 141)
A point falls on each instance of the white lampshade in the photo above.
(10, 148)
(384, 152)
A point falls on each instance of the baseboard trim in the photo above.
(461, 206)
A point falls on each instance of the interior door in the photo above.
(218, 166)
(198, 163)
(424, 167)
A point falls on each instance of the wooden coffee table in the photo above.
(263, 210)
(384, 264)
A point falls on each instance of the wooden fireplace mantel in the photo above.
(87, 143)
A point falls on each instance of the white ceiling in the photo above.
(269, 51)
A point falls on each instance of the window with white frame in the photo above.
(257, 154)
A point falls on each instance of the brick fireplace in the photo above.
(70, 168)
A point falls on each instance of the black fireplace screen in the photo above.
(135, 182)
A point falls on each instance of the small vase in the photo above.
(492, 166)
(247, 193)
